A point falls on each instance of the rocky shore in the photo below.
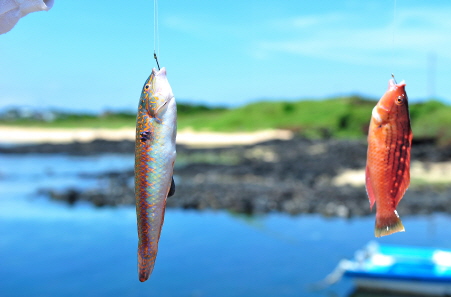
(293, 176)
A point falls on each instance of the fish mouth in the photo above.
(161, 84)
(160, 73)
(392, 85)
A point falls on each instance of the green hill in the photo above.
(343, 117)
(334, 117)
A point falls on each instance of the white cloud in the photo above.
(354, 39)
(182, 24)
(305, 22)
(207, 27)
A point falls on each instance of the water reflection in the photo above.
(50, 249)
(365, 293)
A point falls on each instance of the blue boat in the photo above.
(403, 269)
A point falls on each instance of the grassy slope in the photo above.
(346, 117)
(338, 117)
(431, 119)
(112, 121)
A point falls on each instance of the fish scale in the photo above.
(388, 160)
(154, 163)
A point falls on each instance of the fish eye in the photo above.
(399, 100)
(147, 87)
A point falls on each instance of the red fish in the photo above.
(388, 159)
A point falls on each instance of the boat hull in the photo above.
(402, 269)
(413, 288)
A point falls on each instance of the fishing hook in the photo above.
(156, 59)
(392, 75)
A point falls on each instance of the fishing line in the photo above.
(393, 36)
(156, 36)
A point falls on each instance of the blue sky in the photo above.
(96, 55)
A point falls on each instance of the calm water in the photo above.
(51, 249)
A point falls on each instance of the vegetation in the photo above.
(334, 117)
(344, 117)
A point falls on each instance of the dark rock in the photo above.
(276, 176)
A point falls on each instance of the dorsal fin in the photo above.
(369, 188)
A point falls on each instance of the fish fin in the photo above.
(369, 188)
(172, 188)
(403, 186)
(160, 110)
(155, 114)
(386, 225)
(405, 181)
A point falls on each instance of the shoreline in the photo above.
(187, 137)
(288, 176)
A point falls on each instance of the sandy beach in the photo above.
(21, 135)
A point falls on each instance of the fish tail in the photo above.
(388, 224)
(145, 267)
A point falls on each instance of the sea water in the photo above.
(49, 248)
